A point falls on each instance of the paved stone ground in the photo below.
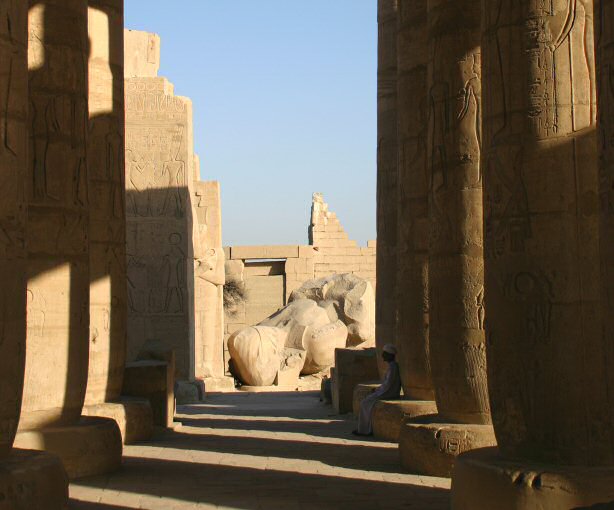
(261, 452)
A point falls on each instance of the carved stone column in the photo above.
(107, 226)
(385, 306)
(27, 479)
(456, 268)
(549, 356)
(58, 247)
(412, 328)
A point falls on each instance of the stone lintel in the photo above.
(430, 447)
(264, 252)
(483, 480)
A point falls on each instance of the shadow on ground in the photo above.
(252, 489)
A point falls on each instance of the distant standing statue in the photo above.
(390, 389)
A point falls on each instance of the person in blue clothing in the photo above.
(390, 389)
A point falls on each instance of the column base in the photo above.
(430, 447)
(133, 416)
(390, 415)
(362, 391)
(32, 480)
(91, 447)
(483, 480)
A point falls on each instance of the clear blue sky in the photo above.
(284, 95)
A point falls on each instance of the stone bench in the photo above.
(390, 415)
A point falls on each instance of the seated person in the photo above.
(390, 389)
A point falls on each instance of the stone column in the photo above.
(385, 306)
(411, 329)
(456, 268)
(412, 332)
(107, 225)
(42, 474)
(57, 246)
(549, 356)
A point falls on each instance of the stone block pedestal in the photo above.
(362, 391)
(390, 415)
(483, 480)
(352, 367)
(134, 417)
(32, 480)
(153, 380)
(91, 447)
(430, 447)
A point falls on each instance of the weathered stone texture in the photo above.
(546, 349)
(159, 185)
(58, 207)
(456, 273)
(13, 165)
(107, 228)
(412, 315)
(386, 174)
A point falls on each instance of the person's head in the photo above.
(389, 353)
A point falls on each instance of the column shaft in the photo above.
(108, 288)
(57, 240)
(457, 340)
(546, 349)
(13, 164)
(412, 327)
(385, 313)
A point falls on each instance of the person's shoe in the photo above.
(356, 433)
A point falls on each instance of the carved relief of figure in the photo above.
(137, 284)
(439, 126)
(481, 310)
(173, 268)
(509, 198)
(471, 111)
(138, 196)
(174, 170)
(534, 293)
(36, 311)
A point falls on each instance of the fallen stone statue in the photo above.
(333, 312)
